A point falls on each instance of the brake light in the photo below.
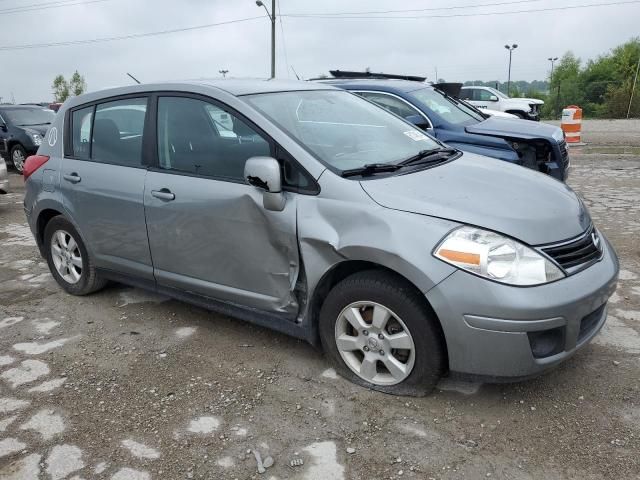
(33, 163)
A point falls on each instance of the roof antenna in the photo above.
(134, 78)
(294, 71)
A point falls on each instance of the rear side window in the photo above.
(466, 94)
(81, 132)
(118, 132)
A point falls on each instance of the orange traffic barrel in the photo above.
(571, 123)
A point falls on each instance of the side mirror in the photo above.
(418, 120)
(264, 173)
(493, 98)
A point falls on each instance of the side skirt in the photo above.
(279, 323)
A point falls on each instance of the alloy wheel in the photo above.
(18, 159)
(66, 256)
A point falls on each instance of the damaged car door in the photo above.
(209, 232)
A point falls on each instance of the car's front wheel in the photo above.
(18, 156)
(379, 333)
(68, 258)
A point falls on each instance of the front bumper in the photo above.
(496, 330)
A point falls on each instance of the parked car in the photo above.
(22, 128)
(491, 98)
(540, 146)
(4, 179)
(324, 217)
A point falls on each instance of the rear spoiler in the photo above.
(347, 74)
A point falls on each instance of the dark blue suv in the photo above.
(538, 146)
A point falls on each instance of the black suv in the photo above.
(22, 130)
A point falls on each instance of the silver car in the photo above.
(314, 212)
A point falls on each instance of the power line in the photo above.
(124, 37)
(47, 6)
(549, 9)
(413, 9)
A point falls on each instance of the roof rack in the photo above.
(347, 74)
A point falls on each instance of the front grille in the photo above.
(563, 150)
(578, 253)
(590, 322)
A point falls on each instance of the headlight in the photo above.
(37, 139)
(558, 135)
(496, 257)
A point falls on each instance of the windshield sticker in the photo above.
(415, 135)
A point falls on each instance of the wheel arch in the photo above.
(342, 270)
(44, 217)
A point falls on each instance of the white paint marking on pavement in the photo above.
(325, 462)
(136, 295)
(46, 422)
(226, 462)
(140, 450)
(101, 467)
(130, 474)
(185, 332)
(4, 423)
(27, 372)
(6, 360)
(48, 385)
(8, 405)
(9, 446)
(27, 468)
(615, 333)
(64, 460)
(35, 348)
(330, 373)
(204, 425)
(7, 322)
(627, 275)
(44, 325)
(19, 234)
(460, 386)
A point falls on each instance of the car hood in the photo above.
(514, 128)
(489, 193)
(532, 100)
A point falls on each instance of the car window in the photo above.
(200, 138)
(484, 95)
(117, 132)
(390, 103)
(32, 116)
(448, 108)
(340, 129)
(81, 132)
(466, 93)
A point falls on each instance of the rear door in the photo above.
(208, 230)
(102, 182)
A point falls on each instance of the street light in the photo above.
(552, 60)
(511, 49)
(272, 17)
(223, 73)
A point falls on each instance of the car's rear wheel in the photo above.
(378, 332)
(68, 258)
(18, 156)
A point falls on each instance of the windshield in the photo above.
(449, 109)
(340, 129)
(498, 93)
(28, 116)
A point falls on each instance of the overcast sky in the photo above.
(460, 47)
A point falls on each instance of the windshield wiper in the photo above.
(33, 124)
(371, 168)
(428, 156)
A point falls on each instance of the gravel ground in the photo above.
(127, 385)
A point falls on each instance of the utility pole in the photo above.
(511, 49)
(272, 17)
(223, 73)
(633, 89)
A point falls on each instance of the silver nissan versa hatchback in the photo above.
(309, 210)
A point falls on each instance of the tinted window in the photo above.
(117, 132)
(466, 94)
(200, 138)
(81, 132)
(390, 103)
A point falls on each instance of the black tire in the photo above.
(21, 150)
(395, 294)
(89, 280)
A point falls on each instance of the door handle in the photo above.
(163, 194)
(72, 177)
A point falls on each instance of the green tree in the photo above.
(77, 85)
(60, 89)
(565, 88)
